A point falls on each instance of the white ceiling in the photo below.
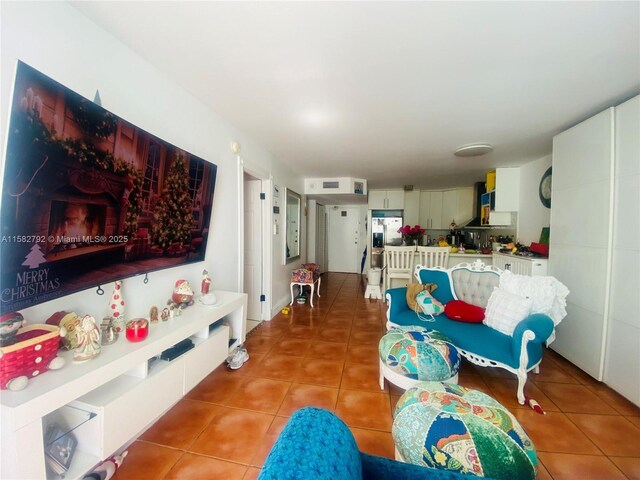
(388, 90)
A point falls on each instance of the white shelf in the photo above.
(111, 384)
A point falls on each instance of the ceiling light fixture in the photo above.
(473, 150)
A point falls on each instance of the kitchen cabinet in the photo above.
(412, 207)
(457, 205)
(431, 210)
(599, 266)
(386, 199)
(520, 265)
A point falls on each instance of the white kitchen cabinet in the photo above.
(113, 398)
(520, 265)
(431, 210)
(507, 192)
(386, 199)
(412, 207)
(593, 248)
(457, 205)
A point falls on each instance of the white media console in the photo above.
(110, 400)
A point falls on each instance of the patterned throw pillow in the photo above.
(505, 310)
(428, 305)
(414, 289)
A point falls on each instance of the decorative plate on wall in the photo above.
(545, 188)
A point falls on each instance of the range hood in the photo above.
(479, 189)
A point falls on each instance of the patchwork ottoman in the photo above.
(409, 355)
(449, 427)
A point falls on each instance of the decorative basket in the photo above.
(37, 345)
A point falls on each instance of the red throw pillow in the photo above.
(463, 312)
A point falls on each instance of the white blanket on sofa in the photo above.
(547, 294)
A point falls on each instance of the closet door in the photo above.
(622, 367)
(581, 222)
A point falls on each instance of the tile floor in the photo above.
(327, 357)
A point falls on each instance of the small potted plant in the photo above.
(412, 235)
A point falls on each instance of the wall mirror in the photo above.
(292, 227)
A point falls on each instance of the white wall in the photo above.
(56, 39)
(532, 215)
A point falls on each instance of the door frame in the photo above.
(265, 234)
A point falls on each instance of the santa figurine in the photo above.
(182, 294)
(207, 298)
(116, 307)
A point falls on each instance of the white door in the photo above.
(252, 246)
(343, 247)
(321, 237)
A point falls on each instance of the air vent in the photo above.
(330, 184)
(408, 188)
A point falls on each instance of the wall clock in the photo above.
(545, 188)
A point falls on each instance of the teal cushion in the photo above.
(440, 277)
(448, 427)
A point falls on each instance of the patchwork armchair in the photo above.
(316, 445)
(307, 275)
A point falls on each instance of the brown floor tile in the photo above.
(367, 354)
(259, 394)
(260, 344)
(475, 382)
(564, 466)
(223, 437)
(634, 420)
(296, 347)
(180, 426)
(277, 367)
(331, 321)
(505, 391)
(327, 350)
(146, 460)
(617, 401)
(218, 386)
(364, 409)
(252, 473)
(301, 395)
(268, 440)
(197, 466)
(613, 434)
(575, 398)
(334, 334)
(320, 372)
(554, 432)
(358, 376)
(304, 332)
(360, 337)
(374, 442)
(630, 466)
(270, 329)
(551, 372)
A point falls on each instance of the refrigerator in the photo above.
(384, 231)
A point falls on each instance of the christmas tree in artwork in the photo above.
(172, 218)
(35, 257)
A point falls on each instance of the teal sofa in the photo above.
(316, 445)
(478, 343)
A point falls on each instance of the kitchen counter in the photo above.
(456, 258)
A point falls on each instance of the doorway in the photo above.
(344, 239)
(253, 253)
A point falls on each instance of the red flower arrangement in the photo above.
(412, 235)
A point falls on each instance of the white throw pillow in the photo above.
(505, 310)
